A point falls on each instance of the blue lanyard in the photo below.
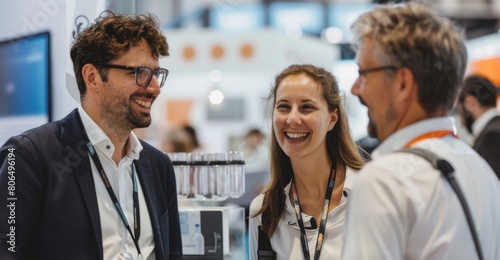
(324, 216)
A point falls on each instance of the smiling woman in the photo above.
(301, 118)
(313, 163)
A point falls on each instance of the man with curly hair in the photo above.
(85, 186)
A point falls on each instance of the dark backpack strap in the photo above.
(264, 250)
(448, 172)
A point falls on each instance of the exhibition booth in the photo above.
(218, 83)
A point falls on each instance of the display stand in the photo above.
(204, 182)
(221, 233)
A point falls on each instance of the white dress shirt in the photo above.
(402, 208)
(116, 240)
(285, 240)
(481, 122)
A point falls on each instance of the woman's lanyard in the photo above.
(324, 216)
(432, 134)
(102, 173)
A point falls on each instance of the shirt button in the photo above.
(108, 147)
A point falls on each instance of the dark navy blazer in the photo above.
(488, 142)
(56, 214)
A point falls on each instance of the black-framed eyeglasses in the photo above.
(143, 74)
(380, 68)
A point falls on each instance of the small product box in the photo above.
(204, 232)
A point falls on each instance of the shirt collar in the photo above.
(400, 138)
(135, 147)
(101, 141)
(481, 122)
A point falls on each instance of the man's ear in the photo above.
(470, 103)
(406, 86)
(407, 80)
(91, 77)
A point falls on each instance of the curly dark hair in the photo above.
(111, 36)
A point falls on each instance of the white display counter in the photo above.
(213, 232)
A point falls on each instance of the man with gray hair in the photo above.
(411, 63)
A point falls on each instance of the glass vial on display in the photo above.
(198, 175)
(181, 169)
(236, 174)
(219, 175)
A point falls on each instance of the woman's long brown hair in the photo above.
(340, 145)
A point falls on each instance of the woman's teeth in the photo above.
(297, 135)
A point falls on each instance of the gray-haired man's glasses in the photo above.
(380, 68)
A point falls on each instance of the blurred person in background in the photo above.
(176, 140)
(195, 145)
(411, 64)
(256, 156)
(367, 144)
(314, 162)
(477, 109)
(255, 151)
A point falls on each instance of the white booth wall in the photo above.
(249, 78)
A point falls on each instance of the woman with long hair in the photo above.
(313, 161)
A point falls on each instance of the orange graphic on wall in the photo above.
(178, 111)
(246, 51)
(188, 53)
(217, 52)
(488, 68)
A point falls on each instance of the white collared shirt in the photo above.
(116, 240)
(481, 122)
(402, 208)
(286, 238)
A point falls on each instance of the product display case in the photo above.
(213, 232)
(204, 181)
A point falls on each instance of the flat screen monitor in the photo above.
(24, 84)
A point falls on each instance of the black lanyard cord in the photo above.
(137, 215)
(135, 195)
(324, 216)
(118, 207)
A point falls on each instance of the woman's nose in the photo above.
(294, 118)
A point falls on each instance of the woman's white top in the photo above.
(285, 240)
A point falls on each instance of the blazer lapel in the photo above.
(145, 173)
(71, 135)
